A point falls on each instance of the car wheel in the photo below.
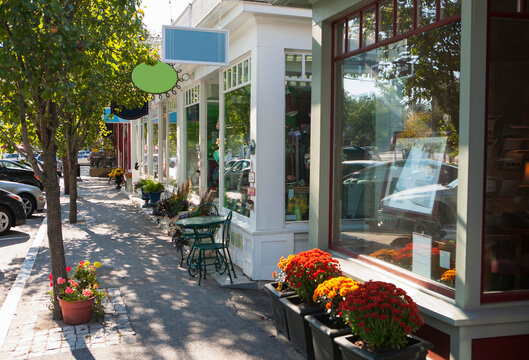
(29, 204)
(5, 221)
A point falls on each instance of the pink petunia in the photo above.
(87, 292)
(60, 280)
(68, 290)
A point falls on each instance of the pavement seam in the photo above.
(10, 304)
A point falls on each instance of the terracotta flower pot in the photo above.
(76, 312)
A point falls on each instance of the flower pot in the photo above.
(278, 311)
(323, 332)
(76, 312)
(298, 328)
(417, 349)
(154, 197)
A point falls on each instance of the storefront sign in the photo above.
(422, 255)
(251, 191)
(108, 117)
(251, 177)
(185, 45)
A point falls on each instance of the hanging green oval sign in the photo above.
(155, 79)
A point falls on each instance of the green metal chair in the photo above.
(222, 257)
(181, 237)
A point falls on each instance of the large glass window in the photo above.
(237, 149)
(173, 159)
(297, 140)
(213, 136)
(506, 238)
(192, 144)
(155, 147)
(396, 146)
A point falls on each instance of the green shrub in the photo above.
(153, 186)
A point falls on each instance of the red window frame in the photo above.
(396, 37)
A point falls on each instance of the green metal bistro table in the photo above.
(204, 229)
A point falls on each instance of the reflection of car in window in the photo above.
(358, 153)
(364, 190)
(237, 175)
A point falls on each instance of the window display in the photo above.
(395, 178)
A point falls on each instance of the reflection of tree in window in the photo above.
(192, 143)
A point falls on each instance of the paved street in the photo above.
(157, 311)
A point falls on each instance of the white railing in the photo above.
(195, 12)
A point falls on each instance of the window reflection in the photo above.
(237, 150)
(172, 146)
(192, 145)
(397, 122)
(404, 16)
(506, 241)
(426, 12)
(155, 148)
(385, 16)
(368, 27)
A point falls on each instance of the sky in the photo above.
(159, 12)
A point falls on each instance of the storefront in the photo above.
(419, 158)
(259, 107)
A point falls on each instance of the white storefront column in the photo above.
(161, 140)
(180, 137)
(150, 169)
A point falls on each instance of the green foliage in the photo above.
(153, 186)
(140, 184)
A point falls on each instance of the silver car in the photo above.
(32, 197)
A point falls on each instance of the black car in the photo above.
(11, 211)
(11, 171)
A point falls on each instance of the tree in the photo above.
(44, 46)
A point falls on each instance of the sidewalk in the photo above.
(157, 311)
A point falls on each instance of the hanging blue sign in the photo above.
(114, 119)
(172, 118)
(186, 45)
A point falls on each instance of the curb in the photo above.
(10, 304)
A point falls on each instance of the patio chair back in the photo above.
(226, 233)
(206, 210)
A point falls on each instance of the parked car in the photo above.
(82, 158)
(11, 211)
(59, 164)
(13, 157)
(12, 171)
(237, 175)
(358, 153)
(32, 197)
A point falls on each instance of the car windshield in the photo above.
(12, 165)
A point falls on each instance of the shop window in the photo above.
(213, 146)
(506, 224)
(237, 150)
(293, 66)
(173, 159)
(426, 12)
(155, 148)
(353, 34)
(192, 145)
(145, 143)
(368, 27)
(404, 16)
(450, 8)
(385, 20)
(395, 179)
(297, 141)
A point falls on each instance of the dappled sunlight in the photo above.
(171, 314)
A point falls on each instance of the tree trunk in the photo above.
(66, 175)
(53, 201)
(72, 184)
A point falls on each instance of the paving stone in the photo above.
(80, 345)
(55, 330)
(129, 339)
(68, 328)
(81, 329)
(53, 345)
(41, 333)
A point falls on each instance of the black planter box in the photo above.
(323, 334)
(298, 328)
(278, 310)
(417, 349)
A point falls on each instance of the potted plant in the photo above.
(277, 290)
(325, 327)
(382, 318)
(303, 273)
(79, 295)
(154, 188)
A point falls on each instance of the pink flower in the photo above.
(60, 280)
(73, 283)
(51, 283)
(68, 290)
(81, 263)
(87, 292)
(68, 269)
